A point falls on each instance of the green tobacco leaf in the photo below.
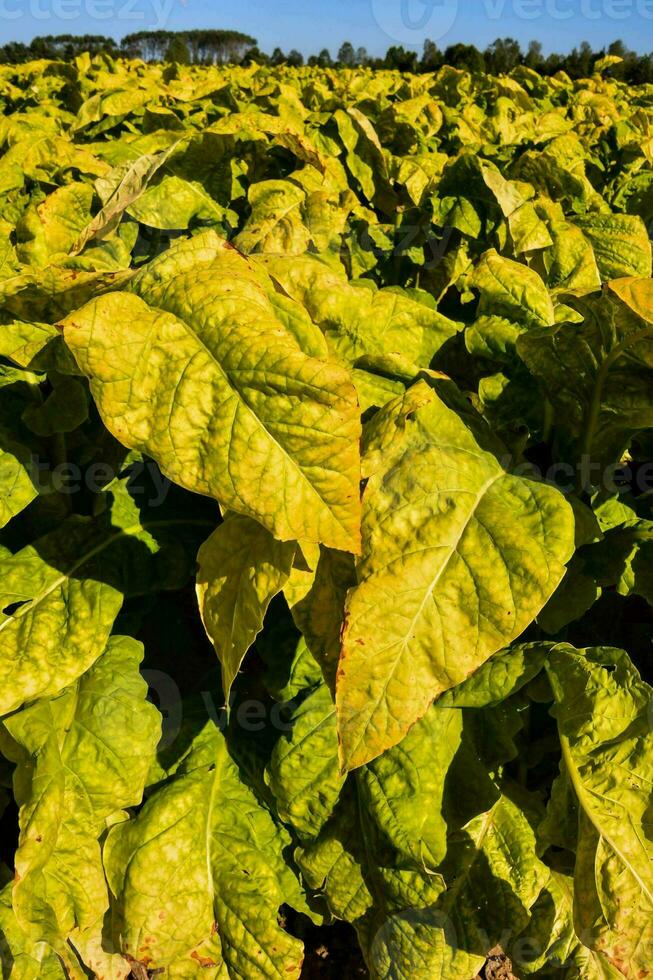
(290, 668)
(51, 293)
(403, 789)
(603, 713)
(336, 863)
(577, 593)
(501, 676)
(496, 878)
(210, 382)
(174, 203)
(364, 154)
(60, 595)
(241, 569)
(275, 225)
(64, 410)
(425, 945)
(20, 957)
(571, 261)
(319, 612)
(527, 229)
(493, 337)
(19, 477)
(549, 943)
(17, 488)
(454, 567)
(82, 757)
(119, 190)
(49, 228)
(560, 171)
(512, 290)
(358, 320)
(202, 856)
(41, 584)
(623, 560)
(362, 879)
(598, 374)
(38, 346)
(621, 244)
(303, 773)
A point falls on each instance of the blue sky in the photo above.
(309, 25)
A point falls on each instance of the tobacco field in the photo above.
(326, 416)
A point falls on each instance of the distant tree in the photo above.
(206, 47)
(629, 59)
(347, 55)
(67, 46)
(14, 53)
(534, 58)
(466, 56)
(618, 48)
(642, 70)
(502, 56)
(580, 61)
(361, 56)
(554, 63)
(431, 57)
(399, 59)
(41, 47)
(278, 57)
(586, 58)
(324, 58)
(254, 56)
(177, 52)
(295, 58)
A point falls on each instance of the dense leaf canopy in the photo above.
(326, 411)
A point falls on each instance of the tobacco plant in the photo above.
(326, 468)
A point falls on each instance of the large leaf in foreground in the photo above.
(212, 383)
(603, 714)
(82, 757)
(459, 556)
(201, 857)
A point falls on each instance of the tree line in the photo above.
(202, 47)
